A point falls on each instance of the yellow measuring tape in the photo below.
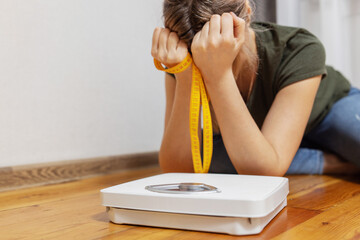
(198, 97)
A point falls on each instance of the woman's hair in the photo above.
(187, 17)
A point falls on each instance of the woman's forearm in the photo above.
(175, 150)
(215, 49)
(248, 149)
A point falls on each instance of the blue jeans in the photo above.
(338, 133)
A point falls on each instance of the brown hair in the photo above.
(187, 17)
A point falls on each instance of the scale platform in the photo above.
(222, 203)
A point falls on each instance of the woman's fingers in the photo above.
(215, 26)
(195, 41)
(164, 35)
(227, 27)
(172, 42)
(155, 41)
(239, 26)
(204, 32)
(167, 47)
(182, 46)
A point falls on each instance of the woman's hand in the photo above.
(167, 48)
(216, 46)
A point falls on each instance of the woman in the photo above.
(276, 107)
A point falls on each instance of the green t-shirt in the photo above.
(288, 55)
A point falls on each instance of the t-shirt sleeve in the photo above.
(303, 58)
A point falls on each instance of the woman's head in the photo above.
(187, 17)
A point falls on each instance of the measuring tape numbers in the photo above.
(198, 97)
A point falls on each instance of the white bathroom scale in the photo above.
(222, 203)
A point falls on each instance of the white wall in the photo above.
(335, 22)
(77, 79)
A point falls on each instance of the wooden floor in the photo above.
(319, 207)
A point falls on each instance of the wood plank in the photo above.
(325, 196)
(57, 172)
(288, 218)
(39, 195)
(303, 184)
(339, 222)
(80, 217)
(138, 232)
(75, 218)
